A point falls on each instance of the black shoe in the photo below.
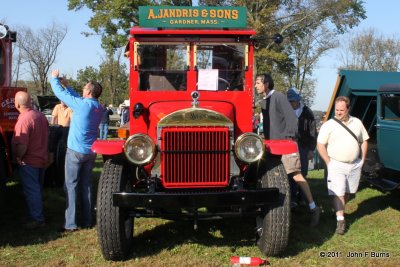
(340, 227)
(66, 231)
(34, 225)
(294, 205)
(315, 213)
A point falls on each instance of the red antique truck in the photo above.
(8, 113)
(189, 151)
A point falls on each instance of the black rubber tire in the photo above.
(114, 227)
(59, 161)
(3, 170)
(54, 137)
(274, 227)
(4, 173)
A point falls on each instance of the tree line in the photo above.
(310, 28)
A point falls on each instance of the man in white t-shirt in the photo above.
(341, 153)
(61, 115)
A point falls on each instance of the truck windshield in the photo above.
(226, 63)
(162, 66)
(391, 107)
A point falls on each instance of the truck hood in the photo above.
(47, 103)
(220, 111)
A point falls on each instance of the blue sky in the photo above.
(76, 52)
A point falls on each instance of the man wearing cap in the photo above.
(105, 121)
(279, 122)
(123, 111)
(307, 131)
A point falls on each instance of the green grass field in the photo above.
(374, 219)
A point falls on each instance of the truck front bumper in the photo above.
(239, 198)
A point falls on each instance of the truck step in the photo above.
(383, 184)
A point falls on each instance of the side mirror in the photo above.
(3, 31)
(137, 110)
(278, 39)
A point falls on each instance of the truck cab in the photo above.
(189, 151)
(388, 126)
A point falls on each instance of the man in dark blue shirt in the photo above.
(280, 122)
(105, 122)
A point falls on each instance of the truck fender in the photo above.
(108, 147)
(281, 147)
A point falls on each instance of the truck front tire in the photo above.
(114, 226)
(274, 226)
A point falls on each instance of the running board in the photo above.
(383, 184)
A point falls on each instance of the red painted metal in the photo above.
(281, 147)
(177, 169)
(8, 112)
(248, 261)
(108, 147)
(6, 60)
(195, 157)
(190, 32)
(241, 101)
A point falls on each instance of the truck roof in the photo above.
(156, 31)
(390, 87)
(356, 82)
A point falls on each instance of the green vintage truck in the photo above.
(375, 99)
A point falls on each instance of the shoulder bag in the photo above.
(352, 134)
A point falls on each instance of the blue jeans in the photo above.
(303, 151)
(32, 181)
(78, 180)
(103, 130)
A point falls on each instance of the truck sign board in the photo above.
(8, 114)
(189, 17)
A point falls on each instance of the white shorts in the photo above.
(343, 177)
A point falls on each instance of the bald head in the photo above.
(22, 100)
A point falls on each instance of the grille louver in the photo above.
(195, 157)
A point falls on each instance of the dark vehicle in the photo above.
(188, 151)
(47, 104)
(58, 135)
(375, 100)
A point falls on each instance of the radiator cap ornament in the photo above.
(195, 96)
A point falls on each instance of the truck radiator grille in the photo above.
(195, 157)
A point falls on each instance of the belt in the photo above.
(348, 162)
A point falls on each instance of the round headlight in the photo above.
(139, 149)
(249, 147)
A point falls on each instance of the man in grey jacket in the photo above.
(280, 122)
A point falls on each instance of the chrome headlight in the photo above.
(139, 149)
(249, 147)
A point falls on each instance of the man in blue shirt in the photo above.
(80, 159)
